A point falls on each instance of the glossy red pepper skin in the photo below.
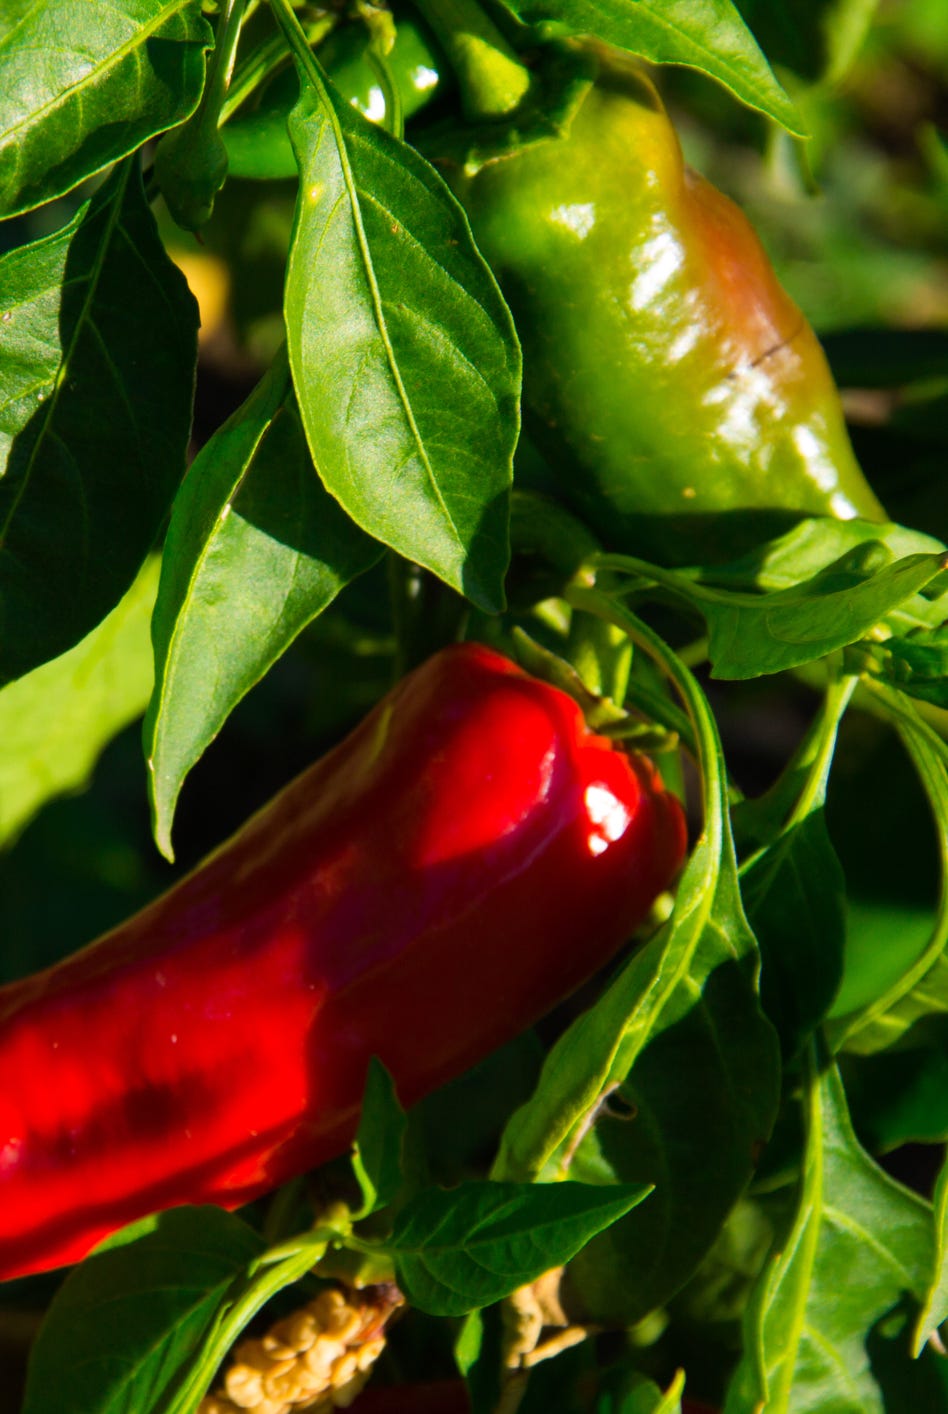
(463, 860)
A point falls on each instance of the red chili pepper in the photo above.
(464, 859)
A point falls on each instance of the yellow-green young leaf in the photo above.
(55, 721)
(85, 82)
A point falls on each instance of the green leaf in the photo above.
(404, 355)
(680, 1029)
(96, 380)
(900, 1095)
(920, 992)
(858, 1243)
(916, 663)
(377, 1156)
(700, 1079)
(818, 39)
(55, 721)
(255, 550)
(884, 938)
(751, 637)
(811, 546)
(111, 76)
(126, 1321)
(703, 34)
(466, 1247)
(795, 894)
(639, 1395)
(935, 1305)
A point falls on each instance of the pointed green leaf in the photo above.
(377, 1155)
(859, 1242)
(403, 352)
(255, 550)
(709, 35)
(641, 1396)
(749, 638)
(127, 1321)
(112, 76)
(935, 1307)
(96, 380)
(794, 890)
(813, 544)
(466, 1247)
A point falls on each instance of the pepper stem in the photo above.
(222, 62)
(491, 78)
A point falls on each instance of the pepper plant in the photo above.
(330, 337)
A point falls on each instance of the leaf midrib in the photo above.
(66, 357)
(327, 110)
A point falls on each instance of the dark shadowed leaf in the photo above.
(793, 886)
(377, 1158)
(96, 380)
(128, 1320)
(919, 993)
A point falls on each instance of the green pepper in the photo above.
(258, 145)
(681, 397)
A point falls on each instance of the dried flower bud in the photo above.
(316, 1359)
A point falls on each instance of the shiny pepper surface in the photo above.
(681, 397)
(258, 144)
(464, 859)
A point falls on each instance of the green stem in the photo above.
(264, 1283)
(710, 755)
(492, 80)
(295, 36)
(205, 120)
(821, 745)
(394, 115)
(264, 61)
(678, 581)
